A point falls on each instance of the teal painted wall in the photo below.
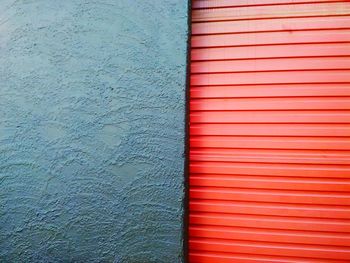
(92, 101)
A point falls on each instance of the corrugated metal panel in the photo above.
(270, 131)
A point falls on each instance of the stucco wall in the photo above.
(92, 130)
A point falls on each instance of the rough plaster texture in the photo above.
(92, 130)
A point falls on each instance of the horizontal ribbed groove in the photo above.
(270, 209)
(267, 12)
(261, 65)
(272, 38)
(270, 51)
(268, 169)
(334, 76)
(271, 222)
(269, 195)
(229, 152)
(198, 4)
(268, 104)
(270, 235)
(220, 156)
(279, 90)
(270, 248)
(269, 156)
(277, 183)
(256, 142)
(226, 257)
(270, 117)
(341, 130)
(286, 24)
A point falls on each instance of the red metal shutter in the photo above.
(270, 131)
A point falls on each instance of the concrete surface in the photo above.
(92, 130)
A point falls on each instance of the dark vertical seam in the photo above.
(187, 139)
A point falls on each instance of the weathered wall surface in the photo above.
(92, 130)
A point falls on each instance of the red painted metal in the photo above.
(270, 131)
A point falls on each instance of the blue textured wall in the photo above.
(92, 130)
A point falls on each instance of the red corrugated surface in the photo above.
(270, 131)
